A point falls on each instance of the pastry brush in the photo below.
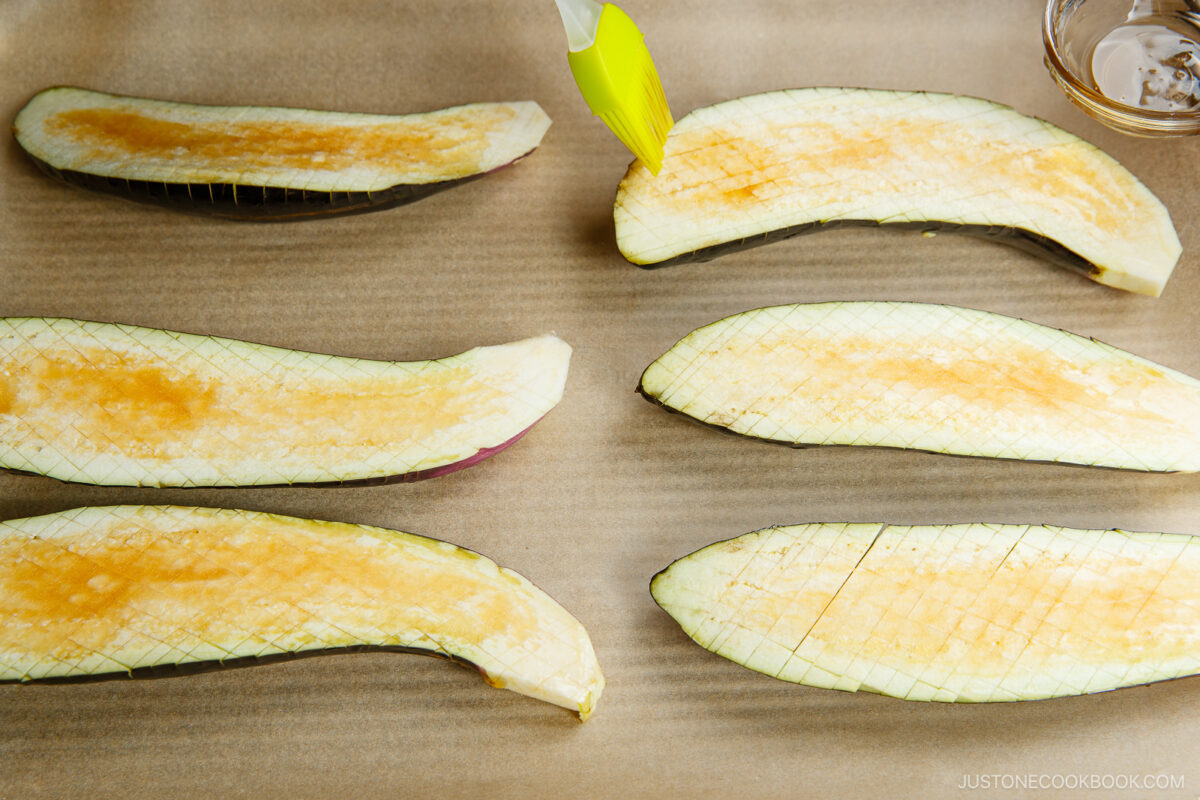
(617, 76)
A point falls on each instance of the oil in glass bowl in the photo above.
(1132, 64)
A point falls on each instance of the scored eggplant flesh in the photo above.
(930, 377)
(111, 404)
(956, 613)
(115, 589)
(765, 167)
(250, 162)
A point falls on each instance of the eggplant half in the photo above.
(930, 377)
(957, 613)
(266, 163)
(91, 402)
(769, 166)
(121, 588)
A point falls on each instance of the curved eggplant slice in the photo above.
(955, 613)
(266, 163)
(112, 589)
(121, 405)
(765, 167)
(930, 377)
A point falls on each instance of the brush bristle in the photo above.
(617, 78)
(643, 120)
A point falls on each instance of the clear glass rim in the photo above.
(1141, 120)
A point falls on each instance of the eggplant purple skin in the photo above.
(480, 455)
(255, 203)
(1024, 240)
(408, 477)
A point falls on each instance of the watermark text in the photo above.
(1023, 781)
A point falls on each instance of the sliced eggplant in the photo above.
(957, 613)
(90, 402)
(769, 166)
(268, 163)
(930, 377)
(115, 589)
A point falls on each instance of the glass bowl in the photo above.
(1132, 64)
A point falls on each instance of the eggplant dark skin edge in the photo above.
(482, 454)
(807, 445)
(254, 203)
(200, 667)
(242, 662)
(803, 445)
(1030, 242)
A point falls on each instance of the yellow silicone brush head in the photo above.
(620, 84)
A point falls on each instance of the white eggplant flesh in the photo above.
(91, 402)
(764, 167)
(931, 377)
(115, 589)
(956, 613)
(268, 163)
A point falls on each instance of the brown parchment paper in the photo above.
(607, 490)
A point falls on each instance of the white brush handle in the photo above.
(580, 19)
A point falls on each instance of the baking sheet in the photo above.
(607, 490)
